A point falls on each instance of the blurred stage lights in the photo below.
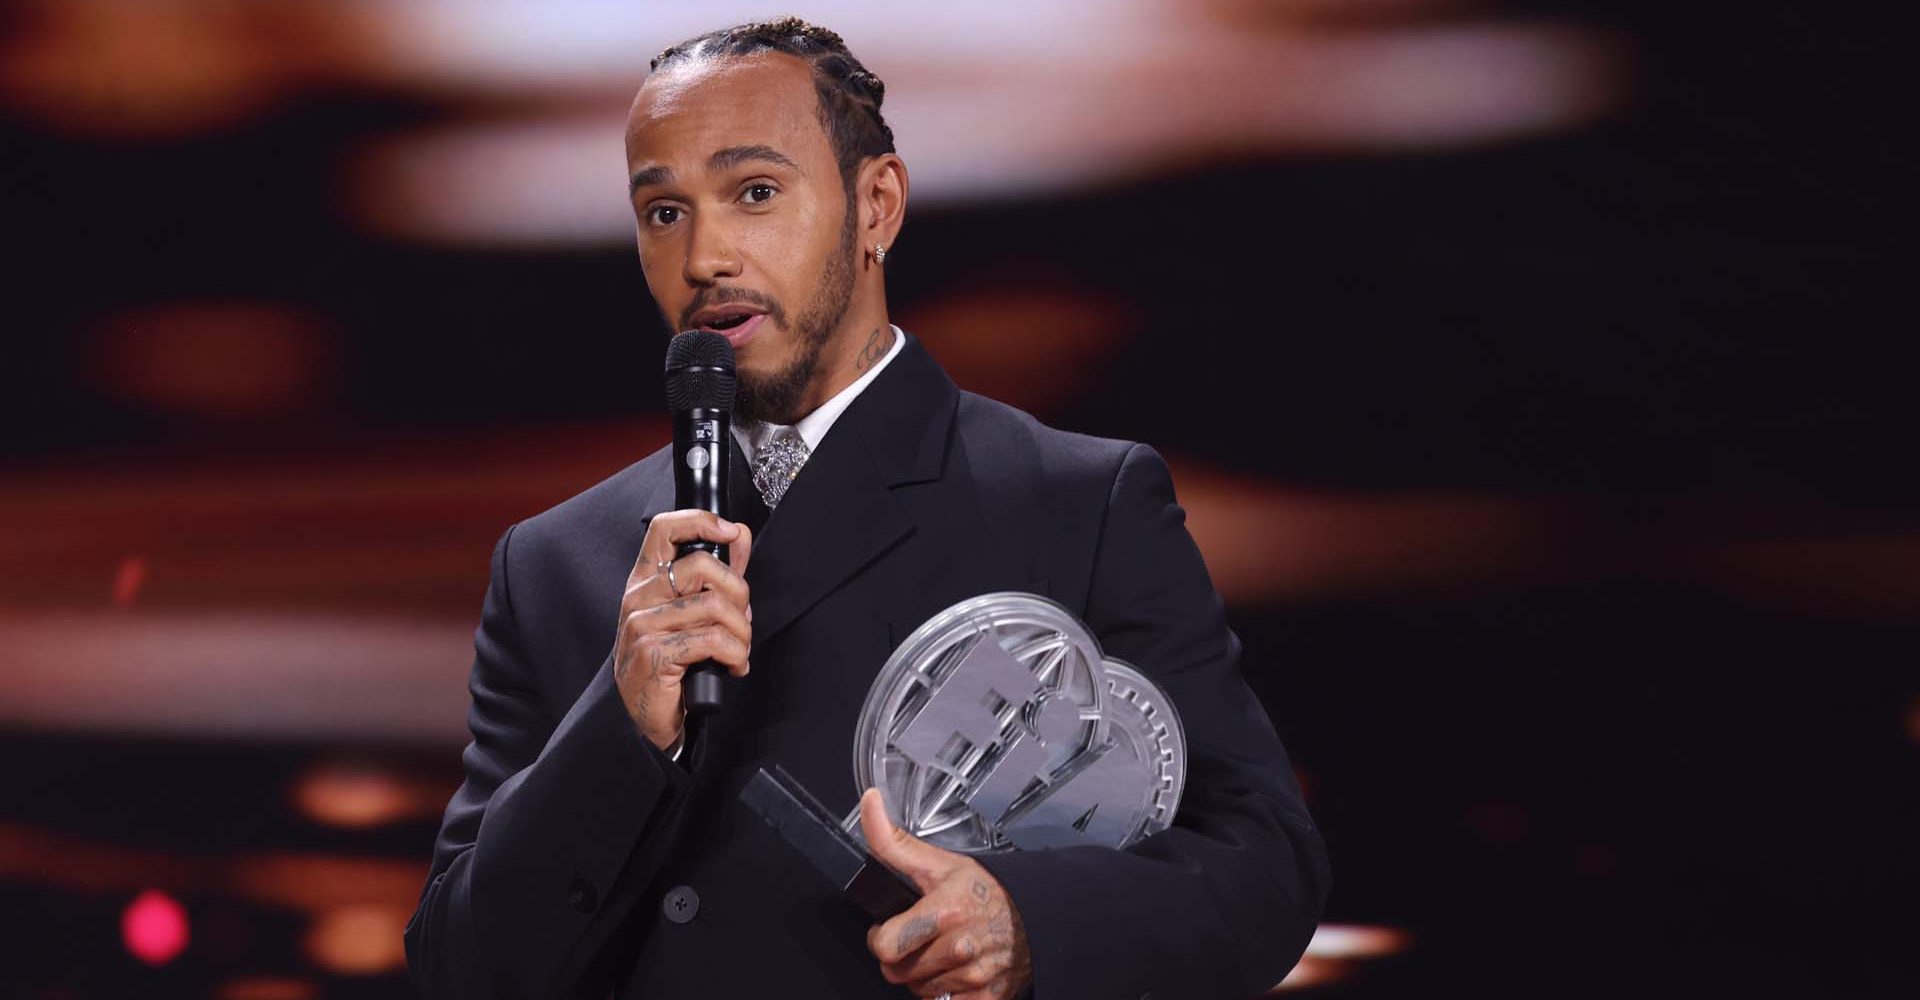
(361, 795)
(978, 114)
(138, 70)
(1310, 972)
(1335, 950)
(154, 927)
(259, 675)
(985, 101)
(268, 988)
(218, 359)
(1357, 941)
(319, 884)
(362, 940)
(1032, 342)
(127, 581)
(315, 884)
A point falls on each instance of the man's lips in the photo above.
(710, 317)
(738, 335)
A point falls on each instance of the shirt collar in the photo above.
(813, 427)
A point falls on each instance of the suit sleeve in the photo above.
(1222, 904)
(543, 848)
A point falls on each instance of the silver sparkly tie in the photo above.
(778, 461)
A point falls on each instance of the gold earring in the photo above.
(879, 254)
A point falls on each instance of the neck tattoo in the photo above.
(874, 349)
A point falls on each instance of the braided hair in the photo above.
(849, 94)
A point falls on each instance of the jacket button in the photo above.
(680, 904)
(582, 896)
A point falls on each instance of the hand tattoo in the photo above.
(918, 931)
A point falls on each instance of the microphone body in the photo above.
(700, 391)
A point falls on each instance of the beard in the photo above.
(776, 398)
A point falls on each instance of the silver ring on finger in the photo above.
(665, 567)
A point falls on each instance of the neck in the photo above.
(857, 346)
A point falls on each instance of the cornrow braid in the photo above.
(849, 94)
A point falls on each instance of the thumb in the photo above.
(896, 848)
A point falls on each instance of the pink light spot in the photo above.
(128, 579)
(154, 927)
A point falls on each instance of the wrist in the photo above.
(670, 742)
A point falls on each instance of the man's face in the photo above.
(743, 223)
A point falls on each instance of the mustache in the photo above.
(726, 296)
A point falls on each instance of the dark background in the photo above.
(1560, 484)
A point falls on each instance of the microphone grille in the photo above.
(700, 371)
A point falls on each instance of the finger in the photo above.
(668, 530)
(999, 989)
(697, 571)
(697, 611)
(740, 549)
(907, 932)
(975, 975)
(692, 574)
(944, 954)
(714, 644)
(899, 850)
(667, 650)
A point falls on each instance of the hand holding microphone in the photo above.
(665, 631)
(685, 613)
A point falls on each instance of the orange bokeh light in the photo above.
(218, 359)
(361, 940)
(268, 988)
(358, 796)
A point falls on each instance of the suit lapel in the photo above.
(840, 514)
(743, 498)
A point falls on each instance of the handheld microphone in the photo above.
(700, 391)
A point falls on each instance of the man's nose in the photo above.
(710, 255)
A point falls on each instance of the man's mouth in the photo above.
(722, 318)
(737, 320)
(738, 326)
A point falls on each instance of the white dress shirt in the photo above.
(813, 427)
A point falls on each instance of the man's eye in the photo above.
(663, 215)
(758, 193)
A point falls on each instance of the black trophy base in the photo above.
(804, 823)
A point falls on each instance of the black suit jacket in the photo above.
(576, 859)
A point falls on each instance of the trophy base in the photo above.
(805, 824)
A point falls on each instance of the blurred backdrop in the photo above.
(1533, 374)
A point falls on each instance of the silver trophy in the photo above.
(997, 725)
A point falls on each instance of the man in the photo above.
(596, 844)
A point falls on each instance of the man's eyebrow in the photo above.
(647, 177)
(735, 155)
(731, 156)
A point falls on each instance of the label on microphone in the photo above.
(698, 457)
(705, 430)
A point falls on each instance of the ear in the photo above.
(880, 188)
